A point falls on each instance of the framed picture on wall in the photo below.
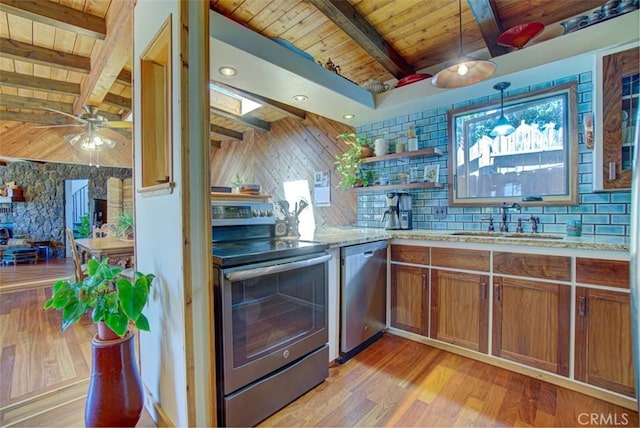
(431, 173)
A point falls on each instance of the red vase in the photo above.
(115, 395)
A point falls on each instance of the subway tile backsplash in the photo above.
(602, 213)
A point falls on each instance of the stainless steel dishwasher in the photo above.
(363, 294)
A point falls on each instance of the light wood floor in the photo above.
(397, 382)
(44, 373)
(394, 382)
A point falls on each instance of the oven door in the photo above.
(272, 314)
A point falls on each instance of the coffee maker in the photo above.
(390, 218)
(405, 212)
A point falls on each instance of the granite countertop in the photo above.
(343, 236)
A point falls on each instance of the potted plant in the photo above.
(115, 301)
(349, 165)
(125, 224)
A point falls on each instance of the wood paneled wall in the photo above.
(24, 141)
(291, 150)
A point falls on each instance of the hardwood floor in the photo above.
(397, 382)
(44, 373)
(394, 382)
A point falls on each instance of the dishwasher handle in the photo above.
(242, 275)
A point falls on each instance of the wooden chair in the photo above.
(104, 231)
(80, 270)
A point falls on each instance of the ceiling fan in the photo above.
(90, 138)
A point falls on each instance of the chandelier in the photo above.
(90, 139)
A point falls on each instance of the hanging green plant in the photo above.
(349, 163)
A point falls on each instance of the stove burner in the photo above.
(261, 250)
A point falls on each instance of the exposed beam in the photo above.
(225, 132)
(117, 101)
(17, 80)
(57, 15)
(39, 118)
(285, 109)
(124, 77)
(43, 56)
(345, 16)
(108, 62)
(488, 19)
(14, 101)
(243, 120)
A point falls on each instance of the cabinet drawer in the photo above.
(614, 273)
(410, 254)
(557, 268)
(460, 259)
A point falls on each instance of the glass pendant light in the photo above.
(466, 70)
(503, 127)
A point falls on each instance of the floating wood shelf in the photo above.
(427, 185)
(428, 152)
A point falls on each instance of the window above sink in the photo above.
(537, 163)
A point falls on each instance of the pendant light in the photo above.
(466, 70)
(503, 127)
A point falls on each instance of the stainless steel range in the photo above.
(271, 313)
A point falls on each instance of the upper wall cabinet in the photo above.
(535, 161)
(617, 89)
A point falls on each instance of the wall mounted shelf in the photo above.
(427, 185)
(428, 152)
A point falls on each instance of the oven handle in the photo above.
(254, 273)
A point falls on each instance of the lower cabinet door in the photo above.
(531, 323)
(604, 356)
(459, 309)
(409, 294)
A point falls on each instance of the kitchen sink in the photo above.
(509, 235)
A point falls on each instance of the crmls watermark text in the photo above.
(608, 419)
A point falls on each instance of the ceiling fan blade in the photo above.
(59, 126)
(66, 114)
(117, 124)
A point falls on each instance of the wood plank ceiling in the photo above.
(63, 54)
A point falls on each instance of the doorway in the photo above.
(76, 205)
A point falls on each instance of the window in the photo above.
(536, 162)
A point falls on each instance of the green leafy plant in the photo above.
(107, 293)
(84, 229)
(349, 163)
(125, 224)
(237, 181)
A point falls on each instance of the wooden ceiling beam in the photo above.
(38, 118)
(17, 80)
(347, 18)
(117, 101)
(124, 78)
(57, 15)
(486, 15)
(225, 132)
(38, 55)
(13, 101)
(285, 109)
(243, 120)
(114, 54)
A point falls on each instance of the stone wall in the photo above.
(41, 217)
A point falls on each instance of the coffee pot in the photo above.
(390, 218)
(405, 212)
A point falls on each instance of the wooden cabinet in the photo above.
(531, 323)
(409, 298)
(459, 309)
(603, 355)
(617, 97)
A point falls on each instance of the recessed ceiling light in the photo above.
(300, 98)
(349, 116)
(227, 71)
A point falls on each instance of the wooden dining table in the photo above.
(118, 250)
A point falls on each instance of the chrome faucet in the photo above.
(534, 223)
(505, 207)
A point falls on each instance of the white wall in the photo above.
(159, 240)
